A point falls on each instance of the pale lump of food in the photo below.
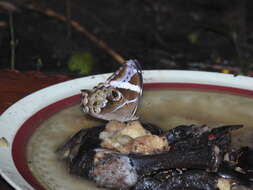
(4, 142)
(131, 137)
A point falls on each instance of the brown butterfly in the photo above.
(118, 97)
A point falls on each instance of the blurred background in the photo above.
(65, 39)
(77, 38)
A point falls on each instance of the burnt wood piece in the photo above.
(153, 129)
(198, 149)
(242, 160)
(204, 158)
(222, 136)
(193, 180)
(113, 170)
(237, 178)
(246, 161)
(183, 132)
(80, 143)
(191, 137)
(190, 180)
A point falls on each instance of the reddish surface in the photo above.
(205, 87)
(15, 85)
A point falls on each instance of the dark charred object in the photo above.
(192, 179)
(242, 158)
(125, 170)
(190, 137)
(241, 161)
(197, 149)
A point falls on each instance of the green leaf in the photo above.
(193, 37)
(82, 62)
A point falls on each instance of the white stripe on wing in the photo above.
(125, 103)
(125, 85)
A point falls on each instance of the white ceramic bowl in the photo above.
(19, 114)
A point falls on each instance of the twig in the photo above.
(3, 24)
(8, 6)
(83, 30)
(68, 13)
(12, 42)
(39, 64)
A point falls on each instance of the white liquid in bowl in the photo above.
(165, 108)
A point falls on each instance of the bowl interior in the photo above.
(164, 104)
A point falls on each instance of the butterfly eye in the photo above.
(115, 95)
(85, 109)
(97, 110)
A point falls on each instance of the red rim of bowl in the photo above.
(30, 125)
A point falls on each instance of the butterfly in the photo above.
(118, 97)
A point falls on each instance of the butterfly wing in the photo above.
(118, 97)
